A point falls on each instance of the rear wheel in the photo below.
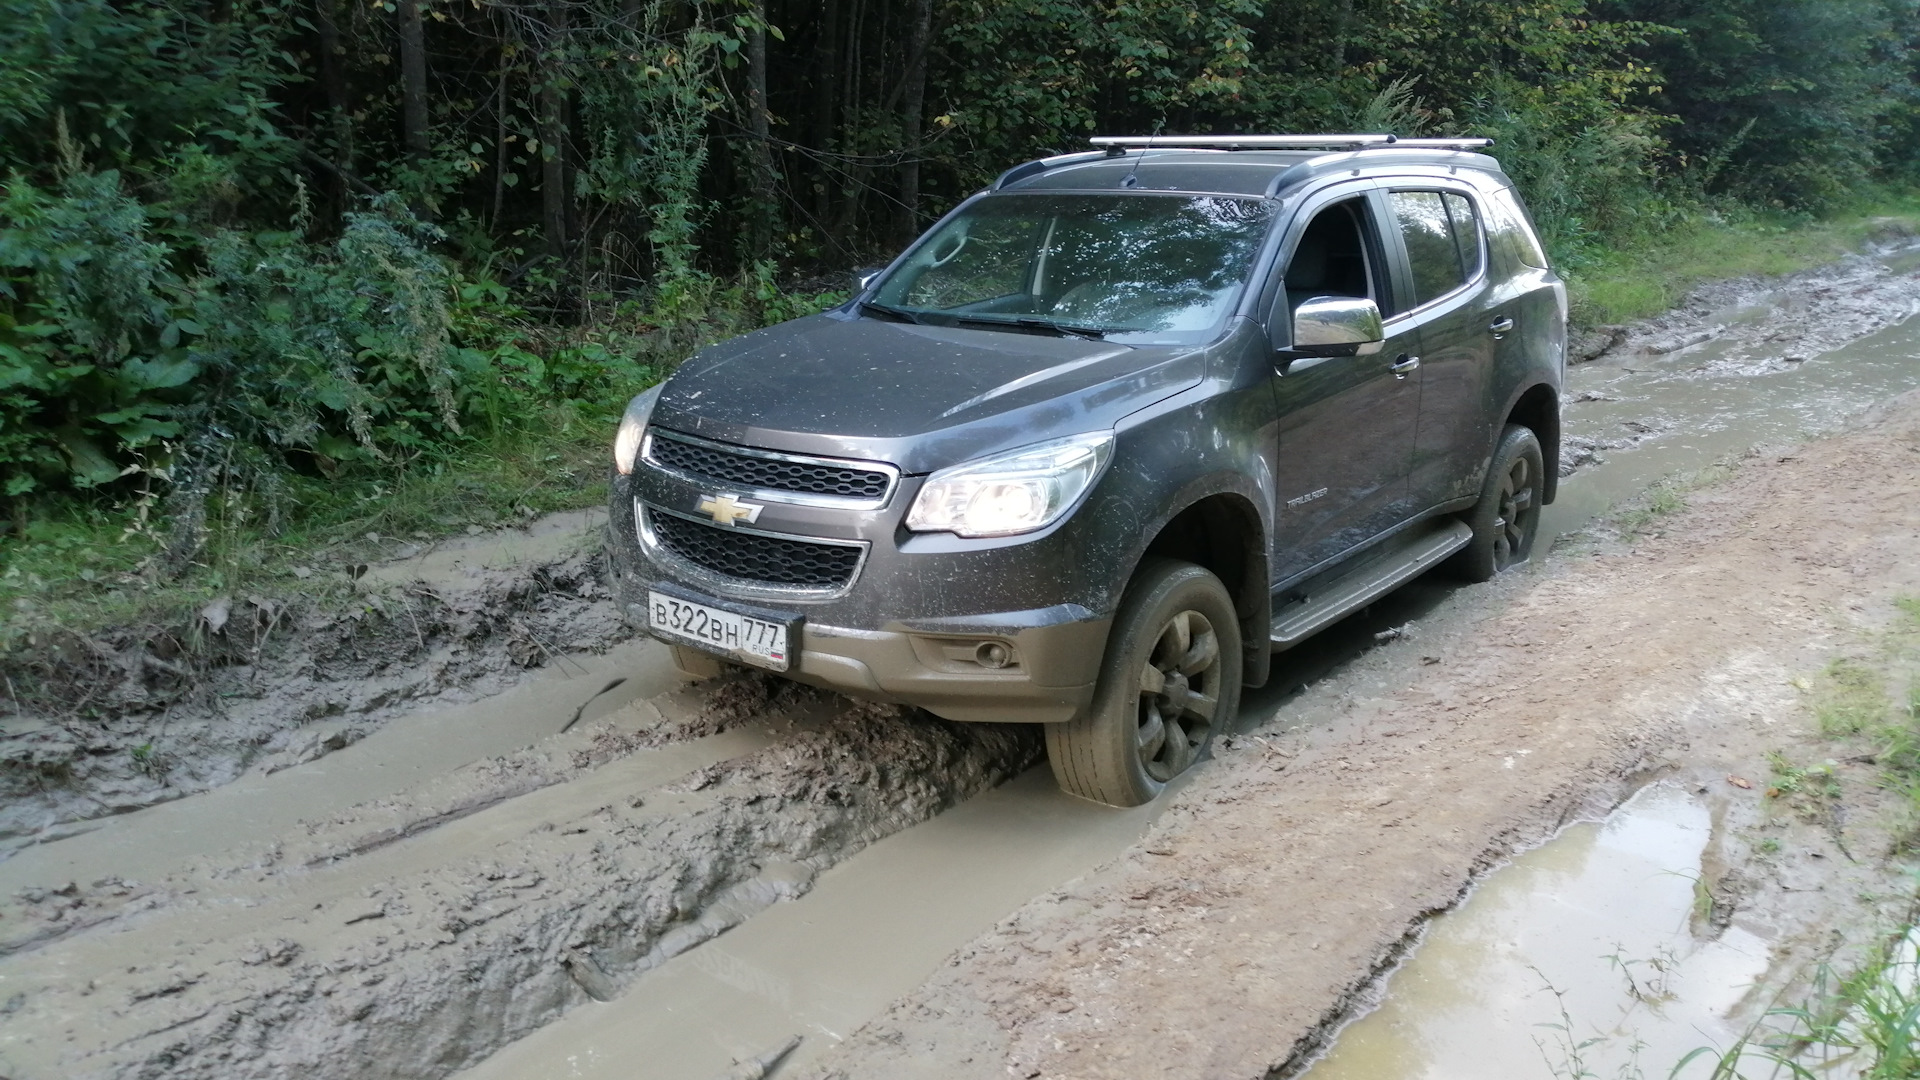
(1170, 679)
(1507, 518)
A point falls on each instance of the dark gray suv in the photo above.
(1109, 435)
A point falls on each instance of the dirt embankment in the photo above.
(108, 722)
(1232, 940)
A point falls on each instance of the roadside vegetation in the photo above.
(285, 281)
(1637, 280)
(1860, 1017)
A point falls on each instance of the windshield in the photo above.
(1137, 268)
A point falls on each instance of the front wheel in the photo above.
(1507, 517)
(1170, 679)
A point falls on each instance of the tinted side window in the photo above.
(1432, 252)
(1514, 230)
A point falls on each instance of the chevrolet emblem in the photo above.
(727, 510)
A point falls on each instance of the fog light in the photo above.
(992, 654)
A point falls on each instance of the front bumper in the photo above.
(911, 626)
(1048, 678)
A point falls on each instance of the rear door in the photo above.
(1458, 317)
(1347, 424)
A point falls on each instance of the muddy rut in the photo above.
(410, 936)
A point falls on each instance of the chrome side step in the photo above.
(1372, 579)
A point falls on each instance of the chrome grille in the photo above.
(766, 471)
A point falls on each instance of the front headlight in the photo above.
(633, 425)
(1015, 492)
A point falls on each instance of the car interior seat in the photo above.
(1330, 259)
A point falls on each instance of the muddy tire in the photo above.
(1171, 678)
(1507, 517)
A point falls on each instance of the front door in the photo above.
(1347, 424)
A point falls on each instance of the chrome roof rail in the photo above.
(1116, 145)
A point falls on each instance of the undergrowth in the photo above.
(88, 560)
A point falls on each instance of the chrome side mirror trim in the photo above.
(1337, 326)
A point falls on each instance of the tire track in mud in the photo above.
(412, 936)
(125, 717)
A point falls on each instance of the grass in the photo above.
(1852, 698)
(1664, 498)
(1864, 1025)
(87, 564)
(1647, 278)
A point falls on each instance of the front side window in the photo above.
(1442, 237)
(1137, 268)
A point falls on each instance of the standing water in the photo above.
(1574, 961)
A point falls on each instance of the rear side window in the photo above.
(1442, 237)
(1514, 231)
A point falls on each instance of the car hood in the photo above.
(920, 396)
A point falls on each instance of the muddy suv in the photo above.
(1108, 436)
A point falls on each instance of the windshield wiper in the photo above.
(1045, 326)
(892, 312)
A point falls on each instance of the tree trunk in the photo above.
(413, 81)
(553, 138)
(913, 102)
(765, 214)
(1342, 23)
(499, 144)
(333, 82)
(553, 169)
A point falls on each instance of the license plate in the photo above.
(729, 633)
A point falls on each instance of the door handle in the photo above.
(1500, 326)
(1404, 366)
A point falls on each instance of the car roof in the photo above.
(1223, 172)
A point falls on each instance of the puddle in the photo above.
(1575, 960)
(1686, 410)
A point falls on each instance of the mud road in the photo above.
(580, 866)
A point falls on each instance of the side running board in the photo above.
(1368, 582)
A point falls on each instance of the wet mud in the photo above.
(108, 723)
(412, 935)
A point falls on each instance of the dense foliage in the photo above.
(249, 238)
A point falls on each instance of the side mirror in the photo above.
(864, 276)
(1337, 326)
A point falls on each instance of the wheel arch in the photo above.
(1223, 533)
(1538, 409)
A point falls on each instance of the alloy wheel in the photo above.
(1179, 693)
(1518, 512)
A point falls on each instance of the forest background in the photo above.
(278, 272)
